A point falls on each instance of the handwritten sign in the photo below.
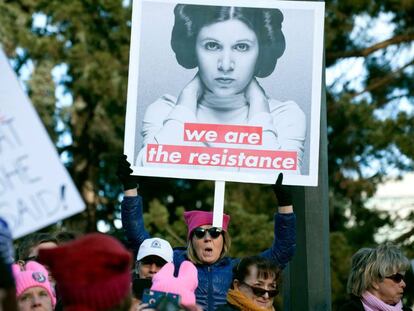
(35, 188)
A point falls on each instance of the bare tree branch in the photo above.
(380, 82)
(404, 237)
(404, 38)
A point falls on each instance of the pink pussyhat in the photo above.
(195, 219)
(32, 275)
(183, 285)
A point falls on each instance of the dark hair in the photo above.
(31, 241)
(265, 269)
(266, 23)
(66, 236)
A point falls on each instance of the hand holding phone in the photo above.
(153, 298)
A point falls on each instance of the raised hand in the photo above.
(124, 174)
(191, 93)
(282, 192)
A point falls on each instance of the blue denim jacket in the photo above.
(213, 280)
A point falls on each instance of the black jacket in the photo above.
(227, 307)
(355, 304)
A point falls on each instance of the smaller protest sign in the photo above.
(35, 188)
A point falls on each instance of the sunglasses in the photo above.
(214, 232)
(149, 260)
(397, 277)
(259, 292)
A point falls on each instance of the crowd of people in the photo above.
(97, 272)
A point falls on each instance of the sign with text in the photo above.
(225, 90)
(35, 188)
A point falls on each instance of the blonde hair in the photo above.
(372, 265)
(192, 255)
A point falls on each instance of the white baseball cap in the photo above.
(156, 247)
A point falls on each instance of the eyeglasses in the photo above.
(259, 292)
(397, 277)
(214, 232)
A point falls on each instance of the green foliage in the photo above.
(340, 265)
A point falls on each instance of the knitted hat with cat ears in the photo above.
(183, 285)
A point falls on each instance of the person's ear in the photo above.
(375, 285)
(236, 284)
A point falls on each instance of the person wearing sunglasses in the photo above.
(207, 246)
(376, 280)
(255, 284)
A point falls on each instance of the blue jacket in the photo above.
(213, 280)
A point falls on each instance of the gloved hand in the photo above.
(282, 192)
(124, 174)
(6, 243)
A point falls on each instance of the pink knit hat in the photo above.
(183, 285)
(32, 275)
(195, 219)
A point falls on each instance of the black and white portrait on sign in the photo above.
(225, 92)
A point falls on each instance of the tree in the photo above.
(369, 130)
(370, 116)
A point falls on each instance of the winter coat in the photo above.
(213, 280)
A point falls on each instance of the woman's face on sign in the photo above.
(226, 53)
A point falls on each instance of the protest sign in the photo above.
(225, 90)
(35, 188)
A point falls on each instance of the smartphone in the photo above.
(139, 285)
(153, 297)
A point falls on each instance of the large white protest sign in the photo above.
(35, 188)
(225, 90)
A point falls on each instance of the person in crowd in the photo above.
(33, 289)
(92, 273)
(28, 248)
(7, 284)
(66, 236)
(152, 255)
(230, 47)
(255, 284)
(207, 246)
(376, 280)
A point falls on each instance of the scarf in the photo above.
(372, 303)
(239, 300)
(228, 110)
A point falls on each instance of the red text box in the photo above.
(219, 133)
(222, 157)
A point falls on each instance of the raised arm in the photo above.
(284, 243)
(131, 206)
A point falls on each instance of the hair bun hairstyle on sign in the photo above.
(266, 23)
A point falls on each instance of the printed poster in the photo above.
(225, 90)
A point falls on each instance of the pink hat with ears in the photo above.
(183, 285)
(32, 275)
(195, 219)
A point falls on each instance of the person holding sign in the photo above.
(231, 47)
(207, 246)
